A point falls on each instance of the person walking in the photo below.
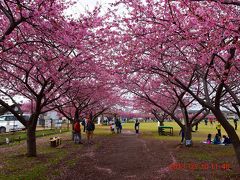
(211, 121)
(84, 125)
(196, 127)
(118, 126)
(235, 123)
(90, 127)
(206, 121)
(182, 134)
(77, 133)
(137, 126)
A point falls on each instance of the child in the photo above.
(209, 139)
(226, 140)
(217, 139)
(112, 126)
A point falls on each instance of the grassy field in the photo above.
(21, 135)
(15, 165)
(151, 130)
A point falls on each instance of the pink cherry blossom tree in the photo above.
(40, 49)
(193, 45)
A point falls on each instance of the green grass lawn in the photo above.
(18, 166)
(22, 135)
(151, 129)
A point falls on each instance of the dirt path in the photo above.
(124, 156)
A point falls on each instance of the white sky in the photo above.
(82, 5)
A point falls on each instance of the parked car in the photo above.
(9, 123)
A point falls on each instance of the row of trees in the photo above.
(174, 55)
(52, 61)
(171, 55)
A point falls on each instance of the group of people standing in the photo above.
(88, 127)
(116, 124)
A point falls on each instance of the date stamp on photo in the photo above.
(200, 166)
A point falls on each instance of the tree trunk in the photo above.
(161, 123)
(31, 142)
(230, 131)
(188, 135)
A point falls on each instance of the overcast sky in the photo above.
(81, 5)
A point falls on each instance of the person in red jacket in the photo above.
(77, 133)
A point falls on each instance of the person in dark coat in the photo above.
(137, 126)
(84, 125)
(182, 134)
(118, 125)
(235, 123)
(226, 140)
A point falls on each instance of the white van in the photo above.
(9, 122)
